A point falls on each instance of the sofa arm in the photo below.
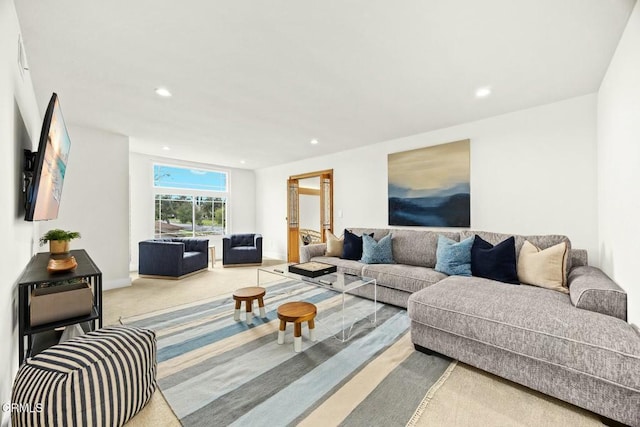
(579, 257)
(226, 243)
(160, 258)
(591, 289)
(309, 251)
(258, 242)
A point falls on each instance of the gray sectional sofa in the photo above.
(577, 347)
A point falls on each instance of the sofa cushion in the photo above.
(454, 258)
(344, 265)
(335, 245)
(418, 247)
(542, 241)
(194, 261)
(352, 246)
(376, 233)
(408, 278)
(243, 240)
(411, 247)
(309, 251)
(531, 322)
(544, 268)
(377, 252)
(546, 241)
(195, 244)
(494, 262)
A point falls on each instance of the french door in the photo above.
(293, 210)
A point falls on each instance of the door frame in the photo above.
(293, 209)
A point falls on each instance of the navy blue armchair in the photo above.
(241, 249)
(175, 257)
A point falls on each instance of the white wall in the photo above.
(19, 129)
(95, 201)
(619, 165)
(309, 205)
(241, 211)
(532, 172)
(309, 212)
(242, 194)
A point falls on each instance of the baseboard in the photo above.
(273, 255)
(115, 284)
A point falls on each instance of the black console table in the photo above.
(42, 336)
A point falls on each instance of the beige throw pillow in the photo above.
(544, 268)
(334, 244)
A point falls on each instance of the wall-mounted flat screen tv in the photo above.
(44, 192)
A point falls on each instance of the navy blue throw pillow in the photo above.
(352, 248)
(495, 262)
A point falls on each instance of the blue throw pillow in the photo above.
(454, 258)
(495, 262)
(377, 252)
(352, 247)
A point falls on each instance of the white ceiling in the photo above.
(257, 80)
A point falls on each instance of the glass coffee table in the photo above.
(338, 282)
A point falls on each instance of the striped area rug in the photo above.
(215, 371)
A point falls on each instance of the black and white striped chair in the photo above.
(102, 378)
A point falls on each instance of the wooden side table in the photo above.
(212, 253)
(248, 295)
(296, 313)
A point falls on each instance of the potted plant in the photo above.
(58, 240)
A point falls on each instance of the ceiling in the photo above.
(255, 81)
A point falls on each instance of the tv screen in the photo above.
(45, 191)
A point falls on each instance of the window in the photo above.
(189, 179)
(189, 202)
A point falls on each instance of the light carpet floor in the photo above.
(468, 397)
(471, 397)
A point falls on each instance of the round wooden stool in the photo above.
(297, 312)
(248, 295)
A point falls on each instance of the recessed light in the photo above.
(483, 92)
(165, 148)
(242, 162)
(314, 141)
(163, 91)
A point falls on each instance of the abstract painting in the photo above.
(431, 186)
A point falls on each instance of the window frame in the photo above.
(188, 192)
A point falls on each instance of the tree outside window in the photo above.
(194, 214)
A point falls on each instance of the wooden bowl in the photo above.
(61, 265)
